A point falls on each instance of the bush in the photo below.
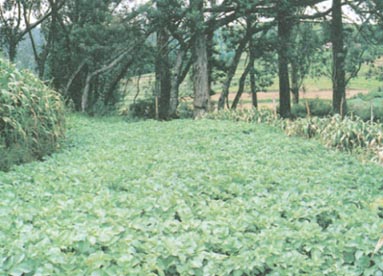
(345, 134)
(371, 95)
(362, 108)
(185, 110)
(144, 109)
(31, 117)
(318, 107)
(348, 134)
(247, 115)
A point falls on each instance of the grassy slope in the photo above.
(250, 199)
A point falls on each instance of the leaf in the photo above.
(21, 269)
(358, 254)
(197, 261)
(378, 245)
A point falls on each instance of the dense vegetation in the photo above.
(350, 134)
(229, 196)
(31, 117)
(182, 198)
(88, 49)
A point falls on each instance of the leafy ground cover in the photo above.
(190, 198)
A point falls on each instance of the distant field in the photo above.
(313, 88)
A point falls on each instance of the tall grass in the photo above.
(31, 117)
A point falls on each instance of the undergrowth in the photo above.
(348, 134)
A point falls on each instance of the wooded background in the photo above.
(88, 49)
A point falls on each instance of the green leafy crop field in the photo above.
(190, 198)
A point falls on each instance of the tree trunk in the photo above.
(294, 83)
(41, 58)
(85, 94)
(253, 87)
(200, 66)
(209, 52)
(338, 75)
(242, 84)
(72, 77)
(110, 95)
(175, 83)
(12, 51)
(210, 46)
(284, 30)
(163, 79)
(231, 72)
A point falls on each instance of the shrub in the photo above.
(185, 110)
(371, 95)
(362, 108)
(247, 115)
(31, 117)
(144, 109)
(346, 134)
(299, 110)
(317, 107)
(320, 108)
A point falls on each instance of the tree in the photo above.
(52, 23)
(15, 22)
(93, 50)
(305, 43)
(338, 74)
(163, 77)
(201, 100)
(284, 19)
(232, 66)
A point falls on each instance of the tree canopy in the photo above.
(90, 47)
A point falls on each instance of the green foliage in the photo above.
(185, 110)
(367, 106)
(31, 117)
(183, 198)
(362, 109)
(377, 93)
(347, 134)
(317, 107)
(359, 106)
(247, 115)
(142, 108)
(95, 34)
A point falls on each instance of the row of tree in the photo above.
(90, 46)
